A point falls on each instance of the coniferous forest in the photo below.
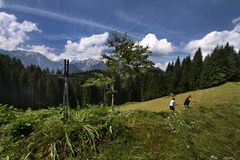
(36, 88)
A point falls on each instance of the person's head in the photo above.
(189, 96)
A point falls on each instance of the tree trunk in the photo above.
(112, 91)
(104, 96)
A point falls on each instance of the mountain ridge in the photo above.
(35, 58)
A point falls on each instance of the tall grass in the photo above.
(42, 134)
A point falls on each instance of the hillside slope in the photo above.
(226, 93)
(209, 130)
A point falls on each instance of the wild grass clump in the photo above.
(7, 114)
(42, 134)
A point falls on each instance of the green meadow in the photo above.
(209, 129)
(224, 94)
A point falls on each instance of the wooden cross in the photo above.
(66, 76)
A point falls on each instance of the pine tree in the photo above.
(169, 77)
(177, 73)
(219, 74)
(185, 77)
(205, 74)
(196, 69)
(233, 65)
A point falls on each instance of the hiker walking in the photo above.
(187, 102)
(172, 104)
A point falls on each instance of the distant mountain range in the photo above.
(28, 58)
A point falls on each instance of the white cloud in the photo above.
(162, 66)
(44, 50)
(212, 39)
(13, 33)
(158, 47)
(88, 47)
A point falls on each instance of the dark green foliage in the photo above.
(219, 70)
(219, 67)
(185, 81)
(196, 69)
(233, 62)
(175, 73)
(169, 75)
(26, 87)
(205, 75)
(132, 78)
(33, 87)
(152, 85)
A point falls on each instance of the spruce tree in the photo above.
(177, 72)
(169, 77)
(220, 70)
(205, 74)
(233, 65)
(196, 69)
(185, 77)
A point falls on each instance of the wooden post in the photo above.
(66, 76)
(65, 91)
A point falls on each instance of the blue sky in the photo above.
(78, 29)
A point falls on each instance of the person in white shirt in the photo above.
(172, 104)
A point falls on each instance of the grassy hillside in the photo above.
(228, 93)
(209, 130)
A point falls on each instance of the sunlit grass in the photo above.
(227, 93)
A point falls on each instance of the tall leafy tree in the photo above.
(127, 58)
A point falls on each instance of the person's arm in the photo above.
(194, 100)
(175, 104)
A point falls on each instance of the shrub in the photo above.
(7, 114)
